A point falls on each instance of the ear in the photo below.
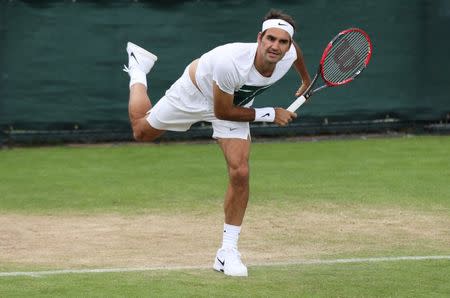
(259, 37)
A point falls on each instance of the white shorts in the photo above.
(183, 105)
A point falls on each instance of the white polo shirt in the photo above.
(231, 66)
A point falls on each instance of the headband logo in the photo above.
(278, 23)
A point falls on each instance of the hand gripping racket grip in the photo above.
(296, 104)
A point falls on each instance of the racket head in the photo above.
(345, 57)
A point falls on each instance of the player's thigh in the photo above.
(236, 152)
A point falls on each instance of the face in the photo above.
(273, 45)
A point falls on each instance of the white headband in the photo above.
(278, 23)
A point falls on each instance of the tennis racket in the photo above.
(344, 58)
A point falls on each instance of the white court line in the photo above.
(299, 262)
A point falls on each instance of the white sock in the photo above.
(137, 76)
(230, 236)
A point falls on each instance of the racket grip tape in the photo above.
(296, 104)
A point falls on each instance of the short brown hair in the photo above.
(278, 14)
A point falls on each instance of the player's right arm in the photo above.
(225, 109)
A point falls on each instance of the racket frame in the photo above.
(330, 45)
(310, 91)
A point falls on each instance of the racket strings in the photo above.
(346, 58)
(341, 65)
(336, 75)
(354, 42)
(344, 64)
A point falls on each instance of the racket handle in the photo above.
(296, 104)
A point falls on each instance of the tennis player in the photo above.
(220, 88)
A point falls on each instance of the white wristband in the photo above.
(264, 115)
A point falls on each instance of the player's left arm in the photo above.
(300, 66)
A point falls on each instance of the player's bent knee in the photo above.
(141, 135)
(143, 132)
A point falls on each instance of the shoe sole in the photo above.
(131, 47)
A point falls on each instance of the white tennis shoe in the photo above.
(228, 261)
(139, 58)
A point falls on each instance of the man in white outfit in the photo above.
(220, 87)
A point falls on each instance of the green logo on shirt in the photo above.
(246, 93)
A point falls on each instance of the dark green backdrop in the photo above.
(61, 61)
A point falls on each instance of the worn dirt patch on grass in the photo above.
(269, 234)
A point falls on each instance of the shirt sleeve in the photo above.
(225, 75)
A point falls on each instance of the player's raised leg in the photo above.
(228, 258)
(140, 62)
